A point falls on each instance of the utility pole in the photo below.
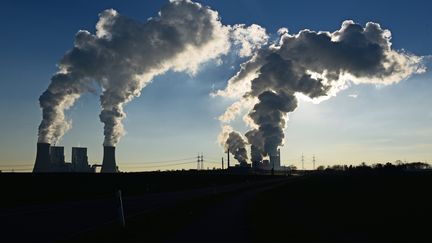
(302, 160)
(121, 217)
(222, 164)
(313, 161)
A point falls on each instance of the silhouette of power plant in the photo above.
(51, 159)
(273, 163)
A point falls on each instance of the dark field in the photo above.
(212, 206)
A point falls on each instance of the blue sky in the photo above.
(176, 118)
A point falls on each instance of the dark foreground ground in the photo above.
(218, 207)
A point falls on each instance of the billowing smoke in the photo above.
(235, 143)
(124, 55)
(316, 65)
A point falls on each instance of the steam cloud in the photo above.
(235, 143)
(316, 65)
(124, 55)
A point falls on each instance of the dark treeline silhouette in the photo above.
(341, 203)
(399, 166)
(25, 188)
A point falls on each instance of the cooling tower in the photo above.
(42, 163)
(57, 155)
(256, 164)
(275, 160)
(80, 160)
(109, 162)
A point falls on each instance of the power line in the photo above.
(146, 162)
(156, 166)
(213, 162)
(144, 165)
(213, 158)
(13, 170)
(11, 165)
(166, 161)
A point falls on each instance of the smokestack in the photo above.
(236, 144)
(279, 157)
(109, 162)
(80, 160)
(228, 161)
(42, 163)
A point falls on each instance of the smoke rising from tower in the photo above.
(316, 65)
(124, 55)
(234, 143)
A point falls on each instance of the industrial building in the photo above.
(273, 164)
(51, 159)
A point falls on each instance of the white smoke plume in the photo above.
(316, 65)
(235, 143)
(125, 55)
(236, 108)
(250, 38)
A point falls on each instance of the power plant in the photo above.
(51, 159)
(273, 164)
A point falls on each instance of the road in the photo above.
(59, 221)
(224, 221)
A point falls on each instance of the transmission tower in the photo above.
(202, 161)
(313, 161)
(302, 160)
(198, 162)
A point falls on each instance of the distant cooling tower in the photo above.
(275, 160)
(80, 160)
(109, 163)
(57, 155)
(256, 164)
(42, 163)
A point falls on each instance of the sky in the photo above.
(175, 118)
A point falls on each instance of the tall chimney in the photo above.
(228, 161)
(109, 162)
(42, 163)
(279, 158)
